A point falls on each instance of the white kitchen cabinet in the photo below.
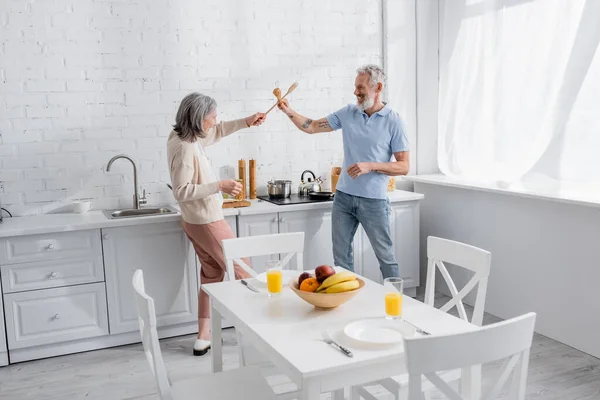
(52, 273)
(232, 221)
(3, 350)
(42, 317)
(405, 235)
(165, 255)
(260, 224)
(51, 246)
(404, 223)
(316, 225)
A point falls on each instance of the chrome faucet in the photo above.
(137, 201)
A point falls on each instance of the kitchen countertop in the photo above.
(95, 219)
(264, 207)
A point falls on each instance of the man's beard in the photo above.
(367, 103)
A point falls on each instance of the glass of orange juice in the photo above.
(393, 297)
(274, 278)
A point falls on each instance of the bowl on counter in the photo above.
(81, 206)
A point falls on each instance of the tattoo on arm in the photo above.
(307, 123)
(291, 116)
(324, 124)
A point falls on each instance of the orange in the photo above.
(309, 285)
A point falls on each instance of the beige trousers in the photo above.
(206, 239)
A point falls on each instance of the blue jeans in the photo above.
(374, 216)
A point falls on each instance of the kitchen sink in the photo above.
(142, 212)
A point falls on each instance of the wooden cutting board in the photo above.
(236, 204)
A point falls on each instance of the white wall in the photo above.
(399, 50)
(427, 79)
(544, 256)
(83, 80)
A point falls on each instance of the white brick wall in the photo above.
(84, 80)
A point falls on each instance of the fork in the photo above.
(419, 330)
(330, 341)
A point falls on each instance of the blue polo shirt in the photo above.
(368, 139)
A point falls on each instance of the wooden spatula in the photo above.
(290, 90)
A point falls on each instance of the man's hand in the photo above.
(307, 125)
(284, 106)
(359, 169)
(256, 119)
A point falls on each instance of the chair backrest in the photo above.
(509, 340)
(462, 255)
(147, 321)
(291, 244)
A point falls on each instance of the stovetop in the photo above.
(293, 199)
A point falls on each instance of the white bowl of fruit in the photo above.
(326, 288)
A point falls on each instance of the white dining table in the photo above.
(287, 331)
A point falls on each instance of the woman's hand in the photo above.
(256, 119)
(230, 187)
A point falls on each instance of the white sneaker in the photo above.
(201, 347)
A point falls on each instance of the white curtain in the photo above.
(519, 91)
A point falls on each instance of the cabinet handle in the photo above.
(50, 247)
(275, 219)
(53, 275)
(56, 316)
(281, 220)
(105, 237)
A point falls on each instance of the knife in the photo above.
(249, 286)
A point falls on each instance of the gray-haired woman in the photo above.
(199, 193)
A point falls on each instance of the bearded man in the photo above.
(375, 147)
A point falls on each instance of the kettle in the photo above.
(313, 185)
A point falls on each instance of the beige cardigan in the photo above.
(194, 185)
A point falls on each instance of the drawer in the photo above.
(50, 246)
(52, 273)
(42, 317)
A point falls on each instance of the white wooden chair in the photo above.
(242, 383)
(290, 244)
(508, 340)
(461, 255)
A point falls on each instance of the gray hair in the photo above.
(194, 109)
(375, 73)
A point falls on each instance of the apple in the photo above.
(323, 272)
(302, 277)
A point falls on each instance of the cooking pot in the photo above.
(313, 185)
(279, 189)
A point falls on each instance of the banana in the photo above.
(343, 287)
(336, 278)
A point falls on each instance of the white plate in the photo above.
(287, 274)
(379, 331)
